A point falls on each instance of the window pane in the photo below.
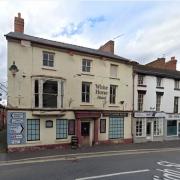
(48, 59)
(172, 127)
(45, 62)
(45, 56)
(85, 94)
(61, 129)
(33, 129)
(49, 100)
(116, 128)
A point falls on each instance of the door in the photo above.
(85, 133)
(149, 131)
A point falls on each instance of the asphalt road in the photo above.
(156, 164)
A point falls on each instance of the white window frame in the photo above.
(140, 101)
(85, 93)
(140, 131)
(113, 71)
(158, 102)
(86, 66)
(140, 79)
(158, 82)
(48, 59)
(60, 95)
(176, 84)
(158, 127)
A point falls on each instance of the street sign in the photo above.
(16, 128)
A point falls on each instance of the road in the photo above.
(142, 164)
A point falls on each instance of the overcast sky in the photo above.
(148, 29)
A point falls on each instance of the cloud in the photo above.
(151, 29)
(73, 29)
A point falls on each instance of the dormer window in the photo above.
(48, 59)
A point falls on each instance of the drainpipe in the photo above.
(132, 117)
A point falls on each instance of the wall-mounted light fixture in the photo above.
(13, 69)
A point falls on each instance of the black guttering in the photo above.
(50, 43)
(146, 70)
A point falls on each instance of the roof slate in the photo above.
(21, 36)
(146, 70)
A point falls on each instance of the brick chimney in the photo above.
(162, 64)
(19, 24)
(108, 47)
(171, 64)
(158, 63)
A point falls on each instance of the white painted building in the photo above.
(156, 104)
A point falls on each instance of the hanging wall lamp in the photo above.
(13, 69)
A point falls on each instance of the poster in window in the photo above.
(102, 125)
(71, 127)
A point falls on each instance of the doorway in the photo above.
(149, 131)
(85, 133)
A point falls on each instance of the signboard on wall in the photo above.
(16, 132)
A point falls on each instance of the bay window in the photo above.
(48, 93)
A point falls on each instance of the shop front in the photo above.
(172, 127)
(148, 126)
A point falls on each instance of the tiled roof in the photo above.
(50, 43)
(147, 70)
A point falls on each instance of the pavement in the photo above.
(94, 149)
(147, 161)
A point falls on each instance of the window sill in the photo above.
(48, 68)
(87, 104)
(87, 74)
(142, 85)
(115, 78)
(33, 142)
(114, 105)
(176, 89)
(172, 135)
(158, 87)
(61, 140)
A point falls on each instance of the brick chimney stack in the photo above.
(162, 64)
(19, 24)
(108, 47)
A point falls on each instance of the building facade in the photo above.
(156, 102)
(58, 90)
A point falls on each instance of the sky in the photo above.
(142, 30)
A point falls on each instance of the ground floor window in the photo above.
(116, 127)
(158, 127)
(171, 127)
(61, 128)
(33, 129)
(140, 127)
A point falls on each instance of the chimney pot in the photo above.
(173, 58)
(19, 15)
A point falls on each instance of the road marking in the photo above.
(82, 156)
(114, 174)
